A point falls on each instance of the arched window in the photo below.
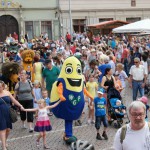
(8, 25)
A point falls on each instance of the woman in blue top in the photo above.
(5, 121)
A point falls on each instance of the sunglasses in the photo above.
(136, 62)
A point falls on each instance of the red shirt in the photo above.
(125, 53)
(68, 36)
(73, 49)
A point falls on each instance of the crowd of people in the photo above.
(107, 62)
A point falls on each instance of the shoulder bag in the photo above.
(13, 113)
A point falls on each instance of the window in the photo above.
(29, 28)
(133, 3)
(130, 20)
(105, 19)
(46, 27)
(36, 25)
(33, 28)
(79, 25)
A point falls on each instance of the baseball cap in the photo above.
(100, 91)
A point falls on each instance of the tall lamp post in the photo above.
(70, 17)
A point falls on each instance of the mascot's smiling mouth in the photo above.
(74, 82)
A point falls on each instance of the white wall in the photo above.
(30, 15)
(102, 4)
(36, 3)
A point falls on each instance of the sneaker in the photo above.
(50, 114)
(30, 130)
(93, 121)
(105, 135)
(80, 123)
(98, 137)
(76, 123)
(23, 126)
(89, 121)
(37, 143)
(46, 147)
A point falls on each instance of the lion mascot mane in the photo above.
(10, 71)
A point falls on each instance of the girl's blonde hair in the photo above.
(41, 101)
(120, 66)
(36, 82)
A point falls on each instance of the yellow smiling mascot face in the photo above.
(71, 72)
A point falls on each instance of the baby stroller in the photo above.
(113, 95)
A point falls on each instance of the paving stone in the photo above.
(21, 139)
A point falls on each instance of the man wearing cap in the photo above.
(50, 75)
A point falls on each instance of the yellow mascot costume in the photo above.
(70, 89)
(27, 58)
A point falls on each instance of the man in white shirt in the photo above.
(137, 132)
(138, 78)
(60, 48)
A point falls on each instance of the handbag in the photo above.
(13, 113)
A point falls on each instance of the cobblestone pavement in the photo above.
(21, 139)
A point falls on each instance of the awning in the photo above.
(139, 26)
(108, 24)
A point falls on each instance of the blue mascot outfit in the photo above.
(69, 88)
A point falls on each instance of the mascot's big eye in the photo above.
(79, 71)
(69, 70)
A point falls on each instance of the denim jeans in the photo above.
(136, 85)
(126, 69)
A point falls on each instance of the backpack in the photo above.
(124, 130)
(30, 83)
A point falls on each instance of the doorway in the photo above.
(8, 25)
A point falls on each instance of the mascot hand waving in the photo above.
(69, 88)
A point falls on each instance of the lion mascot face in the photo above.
(27, 56)
(10, 71)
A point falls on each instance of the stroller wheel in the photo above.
(110, 122)
(119, 125)
(116, 125)
(121, 121)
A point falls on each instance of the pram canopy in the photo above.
(113, 93)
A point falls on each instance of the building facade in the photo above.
(31, 16)
(86, 12)
(56, 17)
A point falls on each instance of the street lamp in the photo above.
(70, 17)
